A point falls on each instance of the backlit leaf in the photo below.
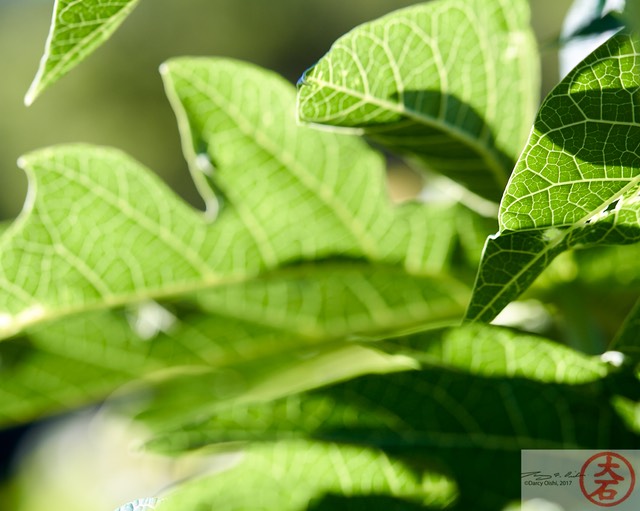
(300, 476)
(478, 405)
(249, 330)
(306, 245)
(77, 29)
(577, 183)
(99, 231)
(451, 83)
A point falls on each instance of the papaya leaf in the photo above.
(577, 181)
(306, 245)
(87, 357)
(100, 231)
(449, 83)
(299, 475)
(77, 30)
(495, 354)
(500, 353)
(471, 407)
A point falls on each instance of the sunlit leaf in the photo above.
(77, 29)
(452, 83)
(518, 392)
(477, 352)
(100, 231)
(500, 353)
(576, 183)
(306, 247)
(299, 476)
(85, 358)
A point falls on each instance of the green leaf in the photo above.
(176, 403)
(476, 351)
(77, 30)
(577, 181)
(451, 83)
(85, 358)
(494, 352)
(299, 476)
(252, 327)
(339, 299)
(99, 231)
(511, 262)
(243, 121)
(482, 409)
(308, 247)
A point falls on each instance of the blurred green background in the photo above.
(116, 97)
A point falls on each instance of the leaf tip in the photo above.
(164, 69)
(22, 161)
(32, 93)
(11, 324)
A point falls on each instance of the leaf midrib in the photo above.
(551, 244)
(488, 157)
(367, 243)
(420, 439)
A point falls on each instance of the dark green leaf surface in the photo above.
(511, 262)
(628, 338)
(576, 183)
(452, 83)
(478, 405)
(478, 352)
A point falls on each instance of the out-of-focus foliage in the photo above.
(117, 97)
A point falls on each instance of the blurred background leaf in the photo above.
(116, 96)
(77, 29)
